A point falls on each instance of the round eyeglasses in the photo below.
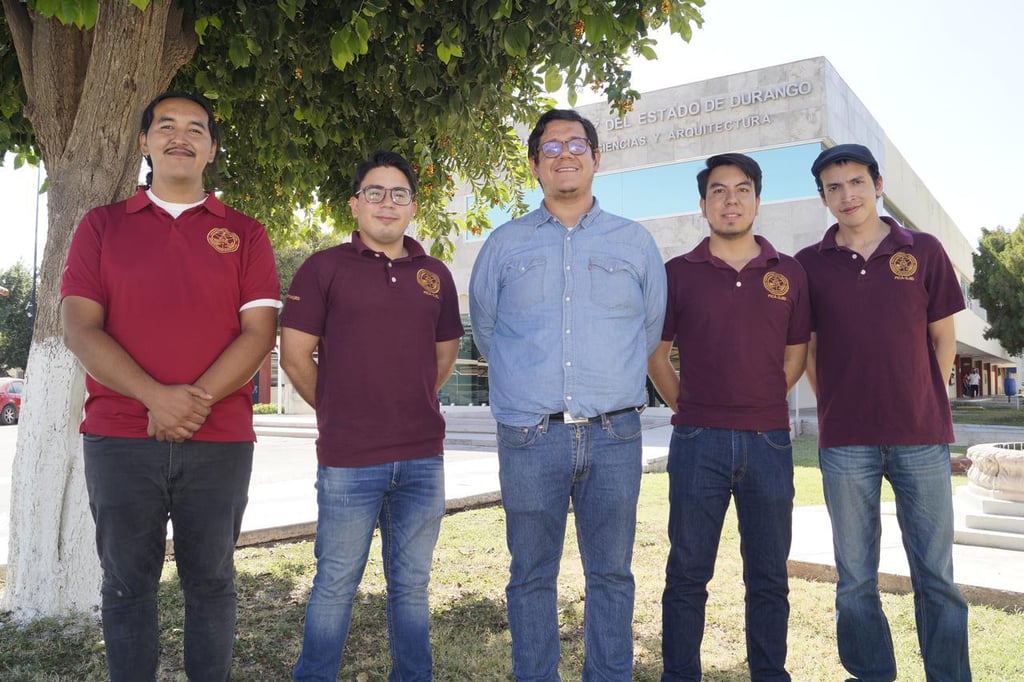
(374, 194)
(577, 146)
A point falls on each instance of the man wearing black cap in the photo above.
(882, 301)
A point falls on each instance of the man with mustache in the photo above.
(169, 301)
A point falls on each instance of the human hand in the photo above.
(177, 412)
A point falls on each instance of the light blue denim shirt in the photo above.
(566, 318)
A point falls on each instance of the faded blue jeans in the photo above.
(919, 475)
(406, 499)
(135, 486)
(707, 467)
(596, 466)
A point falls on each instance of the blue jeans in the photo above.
(706, 468)
(135, 486)
(406, 499)
(919, 475)
(596, 466)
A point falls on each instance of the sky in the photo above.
(944, 79)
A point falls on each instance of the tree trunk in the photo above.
(86, 92)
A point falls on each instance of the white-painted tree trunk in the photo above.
(86, 91)
(52, 563)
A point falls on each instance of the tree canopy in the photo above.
(999, 285)
(304, 89)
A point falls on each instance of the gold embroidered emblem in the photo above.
(430, 282)
(903, 265)
(223, 240)
(776, 284)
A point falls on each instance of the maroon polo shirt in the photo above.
(378, 321)
(879, 382)
(732, 329)
(171, 290)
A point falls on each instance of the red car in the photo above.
(10, 400)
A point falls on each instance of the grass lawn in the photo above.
(470, 630)
(993, 411)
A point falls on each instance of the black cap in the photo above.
(843, 152)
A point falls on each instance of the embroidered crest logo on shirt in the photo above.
(903, 266)
(223, 240)
(776, 284)
(430, 282)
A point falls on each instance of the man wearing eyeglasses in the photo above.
(384, 319)
(567, 302)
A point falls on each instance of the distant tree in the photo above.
(999, 285)
(15, 317)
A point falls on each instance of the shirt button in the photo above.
(376, 255)
(391, 265)
(739, 284)
(863, 272)
(394, 279)
(568, 267)
(569, 363)
(566, 299)
(854, 256)
(568, 397)
(568, 331)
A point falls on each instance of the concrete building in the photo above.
(783, 116)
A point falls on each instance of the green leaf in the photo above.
(552, 79)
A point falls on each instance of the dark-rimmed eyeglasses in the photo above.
(374, 194)
(577, 146)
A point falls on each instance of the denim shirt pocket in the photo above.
(522, 283)
(614, 282)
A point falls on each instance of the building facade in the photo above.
(782, 116)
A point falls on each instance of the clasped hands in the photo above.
(176, 412)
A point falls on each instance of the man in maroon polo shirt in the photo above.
(169, 301)
(384, 319)
(739, 314)
(883, 299)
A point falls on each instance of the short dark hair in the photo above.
(533, 144)
(747, 165)
(149, 112)
(383, 159)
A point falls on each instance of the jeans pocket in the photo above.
(624, 427)
(517, 436)
(777, 440)
(683, 432)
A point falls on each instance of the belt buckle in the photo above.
(569, 419)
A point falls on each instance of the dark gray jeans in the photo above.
(135, 486)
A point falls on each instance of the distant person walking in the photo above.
(383, 318)
(882, 302)
(169, 301)
(974, 381)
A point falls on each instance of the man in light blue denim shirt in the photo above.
(567, 303)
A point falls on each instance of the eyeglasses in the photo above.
(374, 194)
(577, 146)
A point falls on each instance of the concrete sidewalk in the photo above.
(281, 510)
(282, 500)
